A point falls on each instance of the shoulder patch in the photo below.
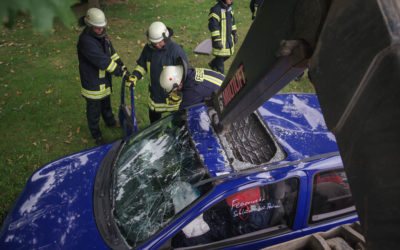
(199, 75)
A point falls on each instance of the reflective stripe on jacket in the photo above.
(221, 23)
(153, 61)
(97, 61)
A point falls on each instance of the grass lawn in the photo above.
(42, 114)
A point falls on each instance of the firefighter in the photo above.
(190, 85)
(221, 23)
(255, 6)
(161, 51)
(97, 62)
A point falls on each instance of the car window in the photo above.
(154, 178)
(331, 196)
(242, 213)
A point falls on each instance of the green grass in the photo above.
(42, 115)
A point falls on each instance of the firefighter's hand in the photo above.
(131, 79)
(235, 37)
(174, 98)
(124, 69)
(217, 44)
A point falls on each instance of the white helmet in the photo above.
(171, 77)
(157, 32)
(95, 17)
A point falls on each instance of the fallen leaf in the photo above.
(12, 71)
(129, 51)
(69, 134)
(6, 94)
(67, 142)
(47, 147)
(58, 51)
(158, 17)
(84, 141)
(118, 38)
(48, 91)
(142, 45)
(138, 41)
(78, 130)
(9, 160)
(20, 156)
(41, 131)
(31, 138)
(59, 101)
(34, 144)
(19, 92)
(44, 139)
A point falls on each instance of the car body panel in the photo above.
(298, 123)
(55, 208)
(206, 141)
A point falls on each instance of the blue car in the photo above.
(271, 177)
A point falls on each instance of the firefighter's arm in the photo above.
(94, 54)
(234, 29)
(174, 98)
(214, 27)
(115, 57)
(141, 65)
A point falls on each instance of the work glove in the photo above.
(125, 72)
(235, 37)
(131, 79)
(217, 44)
(174, 98)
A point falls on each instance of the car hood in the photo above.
(55, 208)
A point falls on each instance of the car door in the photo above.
(260, 215)
(331, 203)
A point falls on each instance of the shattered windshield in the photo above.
(154, 177)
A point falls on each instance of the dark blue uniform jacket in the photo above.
(97, 61)
(200, 83)
(221, 23)
(153, 60)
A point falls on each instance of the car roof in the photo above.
(293, 123)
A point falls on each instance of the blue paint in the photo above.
(55, 209)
